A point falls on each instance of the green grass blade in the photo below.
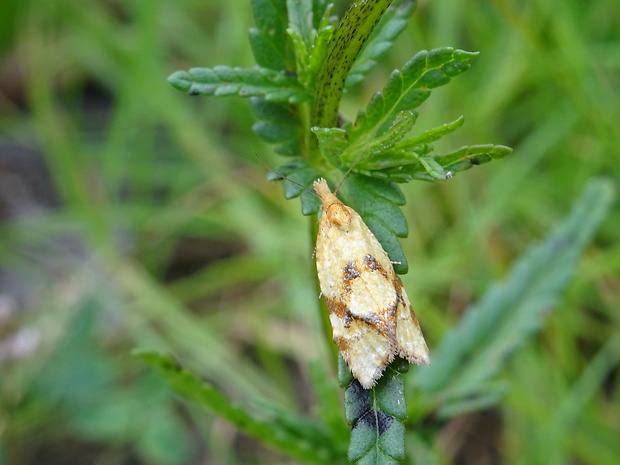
(294, 436)
(471, 355)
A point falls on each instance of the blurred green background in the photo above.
(135, 216)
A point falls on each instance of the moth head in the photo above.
(333, 209)
(338, 215)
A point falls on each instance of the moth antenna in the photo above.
(283, 176)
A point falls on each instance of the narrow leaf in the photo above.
(400, 127)
(345, 43)
(471, 355)
(466, 157)
(325, 29)
(432, 135)
(222, 81)
(392, 23)
(400, 165)
(288, 438)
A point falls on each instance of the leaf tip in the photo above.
(180, 80)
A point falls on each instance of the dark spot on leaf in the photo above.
(376, 419)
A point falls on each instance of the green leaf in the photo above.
(376, 416)
(392, 23)
(400, 126)
(223, 81)
(269, 40)
(279, 124)
(283, 431)
(320, 10)
(404, 165)
(325, 29)
(332, 143)
(407, 89)
(466, 157)
(432, 135)
(377, 202)
(345, 43)
(300, 178)
(300, 17)
(468, 358)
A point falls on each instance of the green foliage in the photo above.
(376, 416)
(374, 150)
(223, 81)
(376, 144)
(283, 431)
(391, 24)
(131, 207)
(463, 376)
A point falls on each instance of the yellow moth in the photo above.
(370, 313)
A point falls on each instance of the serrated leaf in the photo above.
(275, 434)
(376, 416)
(390, 26)
(377, 202)
(367, 200)
(278, 123)
(221, 81)
(302, 58)
(433, 168)
(407, 89)
(389, 241)
(268, 39)
(472, 354)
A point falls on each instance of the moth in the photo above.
(371, 316)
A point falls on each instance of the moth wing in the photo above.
(364, 348)
(409, 338)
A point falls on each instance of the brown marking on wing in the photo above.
(373, 265)
(413, 317)
(349, 273)
(343, 344)
(339, 308)
(398, 287)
